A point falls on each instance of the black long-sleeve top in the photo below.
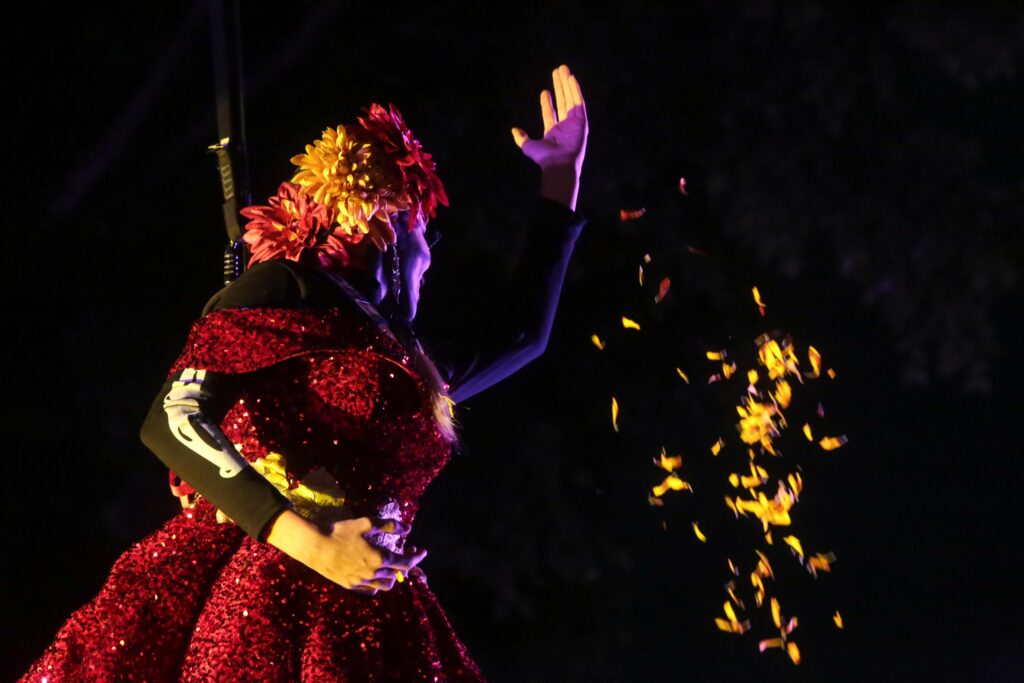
(182, 427)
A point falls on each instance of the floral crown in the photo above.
(348, 185)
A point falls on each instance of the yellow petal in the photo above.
(794, 543)
(793, 651)
(815, 358)
(683, 375)
(629, 324)
(615, 414)
(716, 355)
(776, 613)
(757, 300)
(830, 443)
(669, 463)
(837, 619)
(700, 535)
(734, 479)
(733, 568)
(596, 341)
(770, 642)
(641, 276)
(716, 447)
(752, 377)
(807, 432)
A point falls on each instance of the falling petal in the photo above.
(830, 443)
(837, 619)
(682, 186)
(776, 613)
(615, 414)
(732, 627)
(770, 642)
(717, 446)
(647, 258)
(807, 432)
(596, 341)
(793, 651)
(714, 378)
(730, 588)
(641, 276)
(732, 567)
(831, 373)
(728, 369)
(669, 463)
(759, 591)
(768, 538)
(683, 375)
(629, 324)
(672, 482)
(757, 300)
(663, 288)
(734, 479)
(764, 568)
(815, 358)
(794, 543)
(821, 410)
(732, 506)
(631, 214)
(819, 561)
(752, 377)
(716, 355)
(655, 501)
(700, 535)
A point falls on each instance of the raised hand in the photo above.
(560, 151)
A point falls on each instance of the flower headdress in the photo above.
(348, 185)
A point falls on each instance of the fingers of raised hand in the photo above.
(558, 77)
(547, 111)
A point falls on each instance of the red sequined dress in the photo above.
(325, 391)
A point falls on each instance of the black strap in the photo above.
(232, 161)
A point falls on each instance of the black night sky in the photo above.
(860, 164)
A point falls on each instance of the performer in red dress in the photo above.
(302, 422)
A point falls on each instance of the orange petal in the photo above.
(830, 443)
(663, 288)
(793, 651)
(631, 214)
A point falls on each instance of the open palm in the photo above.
(565, 125)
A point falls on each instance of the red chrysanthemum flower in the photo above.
(421, 189)
(296, 228)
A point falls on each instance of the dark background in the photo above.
(861, 166)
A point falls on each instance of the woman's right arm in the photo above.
(182, 430)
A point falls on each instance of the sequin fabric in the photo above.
(203, 601)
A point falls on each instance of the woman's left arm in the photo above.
(519, 331)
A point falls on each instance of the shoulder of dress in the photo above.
(277, 283)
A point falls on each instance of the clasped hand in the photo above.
(352, 557)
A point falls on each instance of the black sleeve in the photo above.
(182, 427)
(516, 331)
